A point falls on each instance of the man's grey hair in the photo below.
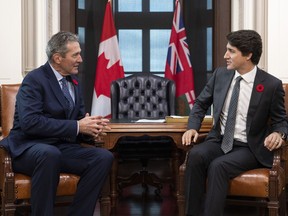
(58, 43)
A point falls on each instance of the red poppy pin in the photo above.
(75, 81)
(260, 88)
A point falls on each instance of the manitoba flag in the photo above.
(109, 66)
(178, 65)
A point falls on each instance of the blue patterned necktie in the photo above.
(228, 137)
(65, 90)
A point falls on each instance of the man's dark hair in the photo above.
(247, 41)
(58, 43)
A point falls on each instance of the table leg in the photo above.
(105, 201)
(114, 172)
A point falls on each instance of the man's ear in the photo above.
(249, 56)
(57, 58)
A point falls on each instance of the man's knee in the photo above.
(107, 157)
(195, 158)
(102, 156)
(49, 154)
(217, 167)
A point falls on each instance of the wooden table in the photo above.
(120, 128)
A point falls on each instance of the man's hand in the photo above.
(189, 137)
(94, 126)
(273, 141)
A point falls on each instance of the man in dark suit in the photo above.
(49, 125)
(260, 127)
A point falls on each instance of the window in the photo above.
(144, 39)
(149, 23)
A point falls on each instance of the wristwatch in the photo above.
(283, 136)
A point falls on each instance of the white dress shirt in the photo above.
(246, 86)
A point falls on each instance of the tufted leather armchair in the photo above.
(142, 95)
(15, 187)
(148, 96)
(261, 187)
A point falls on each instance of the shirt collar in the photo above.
(249, 76)
(57, 74)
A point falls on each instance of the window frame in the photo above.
(222, 26)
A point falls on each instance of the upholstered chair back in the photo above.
(8, 98)
(142, 95)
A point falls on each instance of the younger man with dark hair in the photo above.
(237, 142)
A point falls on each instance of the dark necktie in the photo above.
(228, 137)
(65, 90)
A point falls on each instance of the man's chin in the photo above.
(230, 67)
(75, 71)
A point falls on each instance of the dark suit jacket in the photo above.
(266, 112)
(41, 114)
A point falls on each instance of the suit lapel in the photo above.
(255, 97)
(221, 90)
(53, 82)
(225, 85)
(56, 89)
(77, 94)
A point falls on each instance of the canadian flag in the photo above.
(178, 65)
(109, 66)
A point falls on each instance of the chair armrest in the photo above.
(5, 167)
(279, 160)
(284, 151)
(277, 177)
(200, 139)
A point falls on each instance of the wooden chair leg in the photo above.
(283, 205)
(273, 208)
(273, 212)
(9, 211)
(181, 206)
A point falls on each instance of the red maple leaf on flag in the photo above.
(110, 74)
(109, 66)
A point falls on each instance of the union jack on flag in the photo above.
(178, 65)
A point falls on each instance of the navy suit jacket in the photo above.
(266, 112)
(41, 114)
